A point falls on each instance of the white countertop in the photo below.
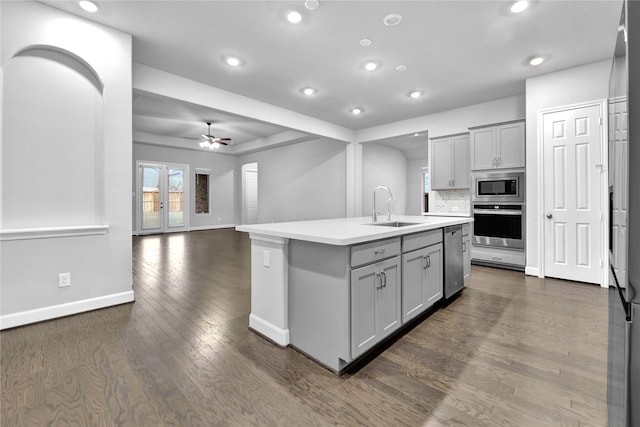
(349, 231)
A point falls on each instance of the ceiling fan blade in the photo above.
(223, 139)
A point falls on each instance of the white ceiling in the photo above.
(458, 52)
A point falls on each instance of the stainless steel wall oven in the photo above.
(498, 209)
(499, 225)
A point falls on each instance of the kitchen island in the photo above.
(336, 288)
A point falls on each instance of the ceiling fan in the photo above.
(212, 142)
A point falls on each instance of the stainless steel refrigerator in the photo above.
(623, 386)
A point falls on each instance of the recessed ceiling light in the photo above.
(415, 94)
(357, 111)
(233, 61)
(365, 42)
(308, 91)
(536, 60)
(312, 4)
(392, 19)
(371, 66)
(294, 17)
(88, 6)
(519, 6)
(401, 68)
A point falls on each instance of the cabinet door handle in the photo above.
(379, 280)
(384, 279)
(424, 265)
(464, 246)
(428, 261)
(498, 161)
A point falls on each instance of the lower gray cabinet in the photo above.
(422, 280)
(375, 304)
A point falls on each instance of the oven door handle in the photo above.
(497, 211)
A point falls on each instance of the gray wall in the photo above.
(302, 181)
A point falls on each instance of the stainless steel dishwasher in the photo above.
(453, 265)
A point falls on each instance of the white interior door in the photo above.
(250, 192)
(572, 141)
(618, 176)
(162, 197)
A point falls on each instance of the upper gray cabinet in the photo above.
(499, 146)
(449, 158)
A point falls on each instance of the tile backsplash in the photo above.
(452, 201)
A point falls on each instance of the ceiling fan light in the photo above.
(215, 145)
(204, 144)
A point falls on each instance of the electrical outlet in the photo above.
(64, 280)
(266, 258)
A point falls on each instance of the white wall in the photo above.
(580, 84)
(302, 181)
(46, 153)
(383, 165)
(415, 185)
(223, 182)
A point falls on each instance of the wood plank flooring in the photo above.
(510, 351)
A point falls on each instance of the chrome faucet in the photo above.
(375, 213)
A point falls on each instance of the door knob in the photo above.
(549, 216)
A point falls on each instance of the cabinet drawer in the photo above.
(421, 240)
(466, 229)
(374, 251)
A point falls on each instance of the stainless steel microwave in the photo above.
(498, 187)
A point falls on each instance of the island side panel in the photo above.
(269, 271)
(319, 299)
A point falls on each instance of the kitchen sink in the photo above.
(396, 224)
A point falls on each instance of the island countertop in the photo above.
(349, 231)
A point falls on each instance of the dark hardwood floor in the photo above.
(510, 351)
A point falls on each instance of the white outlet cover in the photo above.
(64, 280)
(266, 258)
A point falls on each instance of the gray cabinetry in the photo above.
(498, 146)
(466, 250)
(375, 304)
(422, 278)
(450, 162)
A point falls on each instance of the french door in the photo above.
(162, 197)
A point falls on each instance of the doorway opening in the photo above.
(250, 193)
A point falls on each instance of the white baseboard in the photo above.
(531, 271)
(268, 330)
(47, 313)
(211, 227)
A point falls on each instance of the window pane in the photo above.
(202, 193)
(426, 181)
(150, 197)
(176, 197)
